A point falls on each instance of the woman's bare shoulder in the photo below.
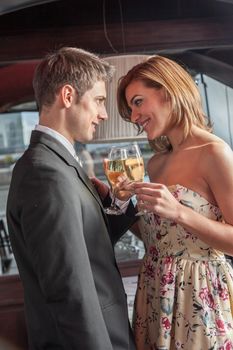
(217, 158)
(156, 162)
(209, 144)
(216, 147)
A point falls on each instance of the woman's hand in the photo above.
(156, 198)
(124, 188)
(100, 187)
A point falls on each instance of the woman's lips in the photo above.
(145, 123)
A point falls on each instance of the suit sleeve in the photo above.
(53, 228)
(119, 225)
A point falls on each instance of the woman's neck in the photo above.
(176, 138)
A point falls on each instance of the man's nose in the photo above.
(103, 113)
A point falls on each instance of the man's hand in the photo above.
(100, 187)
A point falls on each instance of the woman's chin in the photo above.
(150, 138)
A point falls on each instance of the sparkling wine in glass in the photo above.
(134, 167)
(125, 161)
(113, 168)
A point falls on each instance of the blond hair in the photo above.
(179, 89)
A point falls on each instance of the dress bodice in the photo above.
(164, 237)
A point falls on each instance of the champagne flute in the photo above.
(134, 167)
(113, 168)
(125, 161)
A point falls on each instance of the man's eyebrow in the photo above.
(101, 97)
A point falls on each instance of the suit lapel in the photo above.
(62, 152)
(86, 181)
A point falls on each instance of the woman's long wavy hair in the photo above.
(179, 89)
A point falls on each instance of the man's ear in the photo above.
(67, 94)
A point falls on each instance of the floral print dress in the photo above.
(184, 298)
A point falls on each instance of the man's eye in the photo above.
(101, 101)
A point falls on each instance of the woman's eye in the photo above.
(138, 102)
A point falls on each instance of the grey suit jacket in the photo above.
(63, 245)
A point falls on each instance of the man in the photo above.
(62, 240)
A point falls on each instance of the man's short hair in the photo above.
(69, 65)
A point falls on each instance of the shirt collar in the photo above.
(66, 143)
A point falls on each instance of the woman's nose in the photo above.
(134, 116)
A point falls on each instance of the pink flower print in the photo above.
(163, 292)
(173, 223)
(207, 297)
(168, 260)
(220, 327)
(149, 270)
(188, 234)
(223, 294)
(157, 219)
(167, 278)
(166, 323)
(153, 252)
(158, 236)
(215, 281)
(177, 192)
(226, 346)
(216, 211)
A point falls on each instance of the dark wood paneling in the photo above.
(12, 321)
(140, 37)
(16, 84)
(129, 268)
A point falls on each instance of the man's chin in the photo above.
(86, 139)
(91, 136)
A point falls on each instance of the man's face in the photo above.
(84, 115)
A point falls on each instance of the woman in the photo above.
(184, 298)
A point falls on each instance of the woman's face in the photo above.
(149, 109)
